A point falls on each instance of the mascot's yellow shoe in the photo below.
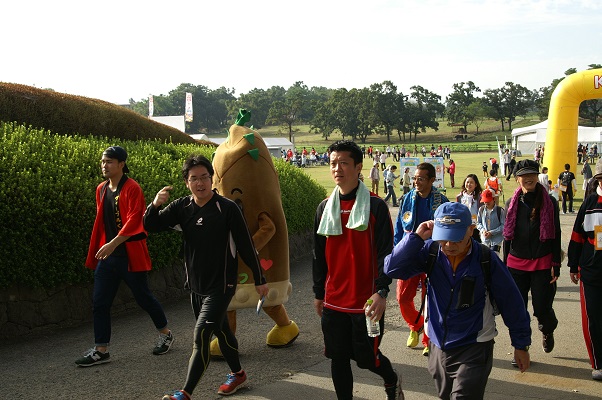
(282, 336)
(214, 350)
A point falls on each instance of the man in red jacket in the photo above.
(118, 252)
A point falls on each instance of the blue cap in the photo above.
(451, 222)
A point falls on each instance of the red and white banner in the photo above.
(188, 108)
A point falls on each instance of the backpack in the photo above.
(485, 267)
(566, 178)
(497, 208)
(495, 185)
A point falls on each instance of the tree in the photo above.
(508, 102)
(346, 112)
(290, 111)
(382, 97)
(478, 112)
(517, 102)
(458, 101)
(368, 120)
(424, 108)
(324, 121)
(494, 99)
(541, 101)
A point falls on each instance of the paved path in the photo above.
(42, 367)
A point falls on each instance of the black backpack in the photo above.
(485, 266)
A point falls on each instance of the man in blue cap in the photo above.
(464, 294)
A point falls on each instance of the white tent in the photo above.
(200, 136)
(274, 145)
(175, 121)
(528, 138)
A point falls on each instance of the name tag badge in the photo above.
(598, 237)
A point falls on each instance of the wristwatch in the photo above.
(526, 348)
(383, 293)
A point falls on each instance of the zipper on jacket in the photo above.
(447, 312)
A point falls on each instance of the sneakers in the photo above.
(164, 343)
(413, 338)
(426, 351)
(394, 392)
(233, 382)
(514, 363)
(177, 395)
(597, 374)
(548, 342)
(93, 357)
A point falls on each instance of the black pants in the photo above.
(210, 314)
(567, 195)
(346, 339)
(542, 294)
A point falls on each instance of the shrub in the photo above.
(65, 114)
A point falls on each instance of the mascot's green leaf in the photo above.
(250, 138)
(243, 116)
(254, 153)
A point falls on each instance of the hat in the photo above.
(487, 196)
(117, 153)
(451, 222)
(524, 167)
(598, 169)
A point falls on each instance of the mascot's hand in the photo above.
(262, 290)
(162, 196)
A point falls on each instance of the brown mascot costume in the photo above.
(245, 173)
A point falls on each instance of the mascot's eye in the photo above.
(239, 203)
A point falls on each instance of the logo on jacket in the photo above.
(407, 216)
(199, 221)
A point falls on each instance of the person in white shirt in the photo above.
(544, 178)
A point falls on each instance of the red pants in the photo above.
(406, 291)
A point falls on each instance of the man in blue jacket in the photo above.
(461, 315)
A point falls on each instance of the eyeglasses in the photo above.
(202, 178)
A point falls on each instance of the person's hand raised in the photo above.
(425, 229)
(162, 196)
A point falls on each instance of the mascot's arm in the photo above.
(267, 230)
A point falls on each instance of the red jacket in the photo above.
(131, 207)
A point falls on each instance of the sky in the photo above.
(129, 49)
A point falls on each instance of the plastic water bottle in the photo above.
(373, 327)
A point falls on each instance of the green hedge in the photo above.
(47, 206)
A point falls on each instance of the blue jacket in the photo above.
(449, 326)
(406, 221)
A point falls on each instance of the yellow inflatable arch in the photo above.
(563, 119)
